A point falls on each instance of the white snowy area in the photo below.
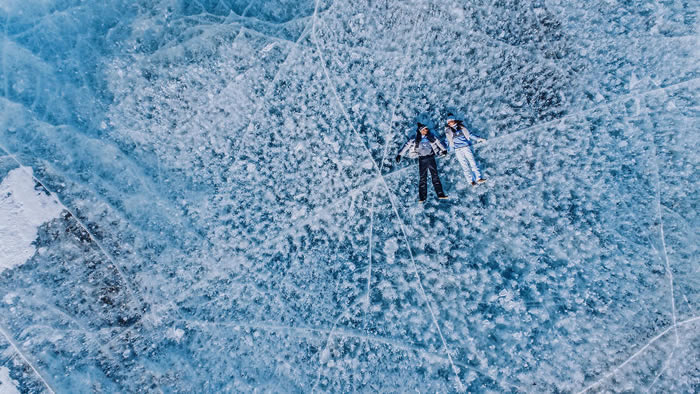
(7, 385)
(23, 208)
(232, 219)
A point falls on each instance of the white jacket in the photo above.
(460, 137)
(426, 147)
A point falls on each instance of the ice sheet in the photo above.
(233, 219)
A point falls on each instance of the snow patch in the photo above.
(7, 385)
(9, 298)
(176, 334)
(23, 208)
(391, 246)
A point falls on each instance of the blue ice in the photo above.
(233, 219)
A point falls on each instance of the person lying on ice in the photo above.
(460, 140)
(424, 147)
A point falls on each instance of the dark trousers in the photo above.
(426, 163)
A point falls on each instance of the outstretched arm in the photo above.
(406, 147)
(404, 150)
(471, 135)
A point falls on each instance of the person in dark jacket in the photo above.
(424, 147)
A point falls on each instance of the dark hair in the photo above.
(419, 136)
(458, 124)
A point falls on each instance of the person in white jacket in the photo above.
(460, 140)
(424, 147)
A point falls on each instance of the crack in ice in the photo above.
(618, 100)
(4, 57)
(314, 215)
(26, 360)
(663, 368)
(638, 352)
(271, 84)
(675, 325)
(381, 167)
(393, 204)
(117, 267)
(668, 266)
(661, 222)
(344, 333)
(132, 165)
(592, 109)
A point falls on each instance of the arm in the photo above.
(471, 135)
(450, 137)
(405, 149)
(437, 144)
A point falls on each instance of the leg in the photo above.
(470, 159)
(423, 178)
(465, 165)
(432, 166)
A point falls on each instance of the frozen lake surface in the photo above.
(201, 196)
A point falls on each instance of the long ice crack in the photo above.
(26, 360)
(393, 204)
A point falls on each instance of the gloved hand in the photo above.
(398, 158)
(443, 153)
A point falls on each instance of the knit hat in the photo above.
(450, 116)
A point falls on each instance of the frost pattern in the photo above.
(234, 220)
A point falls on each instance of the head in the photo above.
(422, 129)
(451, 121)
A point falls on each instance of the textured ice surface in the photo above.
(233, 220)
